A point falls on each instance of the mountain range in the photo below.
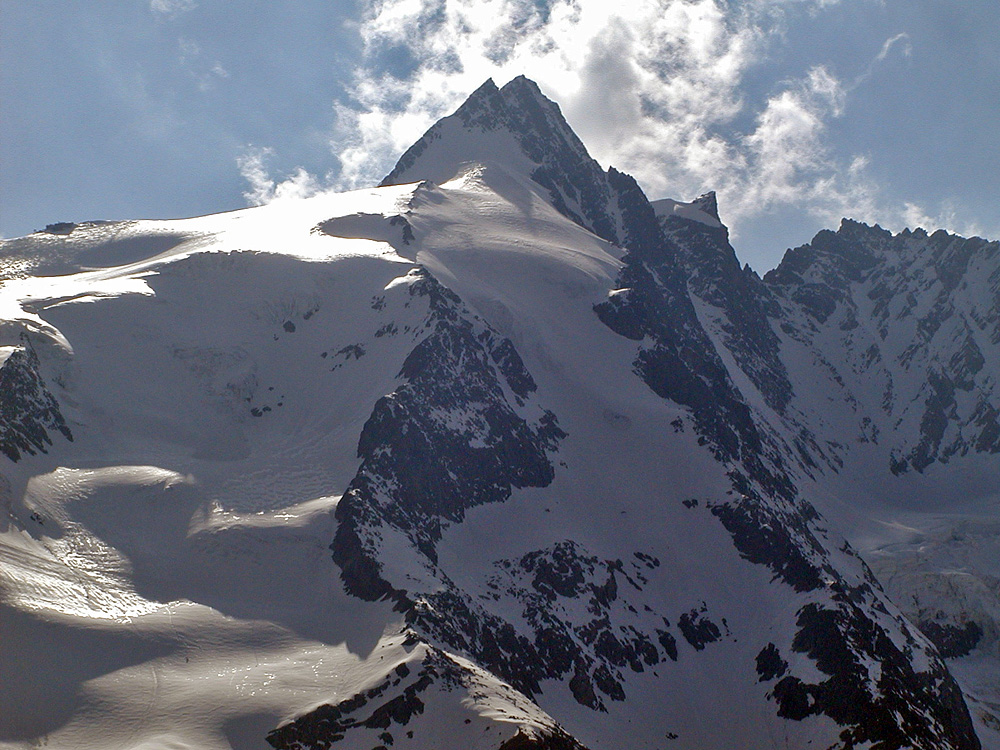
(498, 454)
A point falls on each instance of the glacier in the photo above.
(497, 454)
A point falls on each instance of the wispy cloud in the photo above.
(206, 73)
(254, 171)
(901, 42)
(172, 8)
(945, 216)
(785, 160)
(264, 188)
(902, 39)
(654, 87)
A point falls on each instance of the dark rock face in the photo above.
(530, 635)
(60, 227)
(770, 665)
(896, 715)
(451, 438)
(818, 275)
(372, 709)
(907, 308)
(594, 648)
(698, 630)
(952, 640)
(28, 410)
(740, 297)
(443, 442)
(779, 538)
(552, 740)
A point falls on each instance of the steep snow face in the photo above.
(430, 465)
(520, 130)
(909, 328)
(166, 577)
(871, 359)
(893, 347)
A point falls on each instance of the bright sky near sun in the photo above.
(797, 112)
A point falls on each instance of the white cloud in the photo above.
(205, 74)
(171, 8)
(654, 87)
(264, 188)
(786, 161)
(651, 86)
(253, 170)
(945, 217)
(903, 39)
(615, 70)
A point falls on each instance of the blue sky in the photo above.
(797, 112)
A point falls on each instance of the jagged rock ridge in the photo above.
(28, 410)
(677, 360)
(903, 305)
(445, 441)
(568, 453)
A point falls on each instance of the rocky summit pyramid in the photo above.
(500, 455)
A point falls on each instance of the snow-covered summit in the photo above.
(703, 209)
(519, 129)
(493, 455)
(918, 322)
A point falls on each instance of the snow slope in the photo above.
(875, 358)
(166, 576)
(462, 462)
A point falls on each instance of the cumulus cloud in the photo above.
(611, 69)
(653, 87)
(785, 160)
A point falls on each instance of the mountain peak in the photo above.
(707, 203)
(477, 131)
(340, 397)
(487, 85)
(704, 209)
(520, 130)
(521, 93)
(482, 107)
(852, 227)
